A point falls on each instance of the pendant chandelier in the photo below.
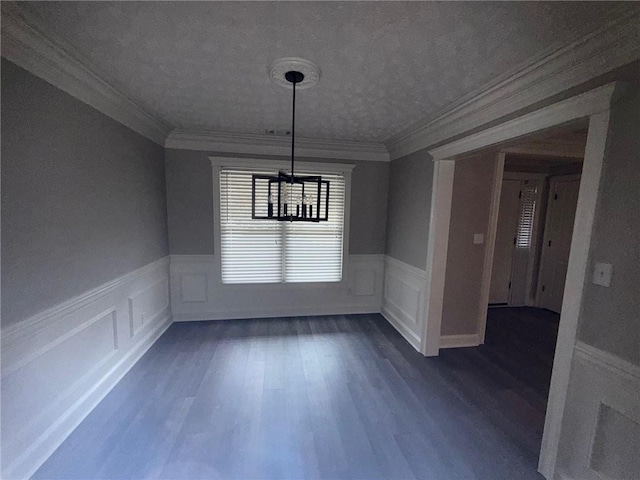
(287, 196)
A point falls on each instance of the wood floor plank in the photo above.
(320, 397)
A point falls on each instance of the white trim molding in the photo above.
(402, 300)
(27, 45)
(487, 265)
(251, 144)
(59, 364)
(437, 248)
(575, 108)
(599, 125)
(602, 415)
(459, 341)
(607, 361)
(197, 292)
(611, 46)
(249, 163)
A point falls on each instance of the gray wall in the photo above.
(470, 211)
(409, 206)
(190, 202)
(83, 197)
(610, 317)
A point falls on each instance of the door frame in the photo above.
(595, 106)
(487, 269)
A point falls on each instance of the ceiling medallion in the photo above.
(279, 68)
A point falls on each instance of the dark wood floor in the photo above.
(324, 397)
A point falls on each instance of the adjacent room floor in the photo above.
(320, 397)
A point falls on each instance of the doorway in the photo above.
(514, 269)
(535, 213)
(535, 205)
(592, 107)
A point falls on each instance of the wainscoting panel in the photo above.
(197, 292)
(600, 437)
(193, 288)
(145, 305)
(57, 365)
(402, 302)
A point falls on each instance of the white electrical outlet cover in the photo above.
(478, 238)
(602, 273)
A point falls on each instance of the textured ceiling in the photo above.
(385, 65)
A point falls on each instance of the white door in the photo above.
(499, 291)
(523, 256)
(561, 211)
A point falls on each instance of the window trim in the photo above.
(220, 162)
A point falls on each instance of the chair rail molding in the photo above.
(27, 45)
(607, 361)
(59, 364)
(604, 417)
(613, 45)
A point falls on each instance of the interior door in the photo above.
(522, 265)
(561, 211)
(499, 291)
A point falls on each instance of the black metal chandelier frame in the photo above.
(291, 197)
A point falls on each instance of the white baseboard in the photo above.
(281, 312)
(59, 364)
(402, 300)
(409, 335)
(197, 292)
(458, 341)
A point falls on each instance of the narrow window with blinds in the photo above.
(524, 236)
(267, 251)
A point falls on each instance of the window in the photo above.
(529, 193)
(267, 251)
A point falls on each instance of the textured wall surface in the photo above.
(610, 317)
(409, 208)
(190, 202)
(470, 211)
(83, 197)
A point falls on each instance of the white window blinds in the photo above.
(268, 251)
(527, 215)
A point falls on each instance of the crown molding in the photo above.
(607, 48)
(29, 47)
(577, 107)
(249, 144)
(611, 46)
